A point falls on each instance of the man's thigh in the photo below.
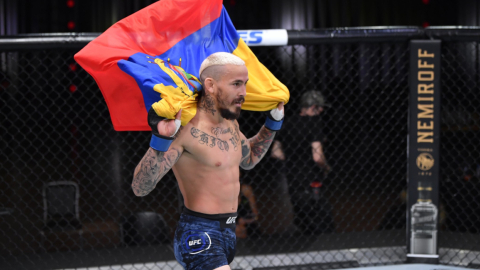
(201, 249)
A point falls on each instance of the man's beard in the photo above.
(226, 113)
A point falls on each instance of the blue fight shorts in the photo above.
(205, 241)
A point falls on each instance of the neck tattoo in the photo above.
(207, 104)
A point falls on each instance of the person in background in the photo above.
(300, 146)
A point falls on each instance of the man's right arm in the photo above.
(162, 154)
(153, 166)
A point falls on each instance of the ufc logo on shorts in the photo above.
(195, 242)
(231, 220)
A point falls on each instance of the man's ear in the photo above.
(209, 85)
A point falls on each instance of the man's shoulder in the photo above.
(193, 129)
(183, 133)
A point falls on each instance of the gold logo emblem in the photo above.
(425, 161)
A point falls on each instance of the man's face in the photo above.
(314, 110)
(231, 91)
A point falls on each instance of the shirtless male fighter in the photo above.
(205, 157)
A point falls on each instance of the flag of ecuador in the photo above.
(152, 59)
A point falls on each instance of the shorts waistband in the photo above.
(225, 220)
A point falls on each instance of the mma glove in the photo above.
(274, 119)
(159, 142)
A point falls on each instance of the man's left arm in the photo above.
(254, 149)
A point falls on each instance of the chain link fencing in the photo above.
(66, 200)
(460, 157)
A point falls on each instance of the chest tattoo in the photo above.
(235, 138)
(218, 131)
(232, 131)
(206, 139)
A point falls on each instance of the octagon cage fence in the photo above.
(65, 195)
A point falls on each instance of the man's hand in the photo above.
(277, 151)
(169, 127)
(163, 130)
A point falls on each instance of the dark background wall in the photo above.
(46, 16)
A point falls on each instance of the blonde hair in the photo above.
(220, 59)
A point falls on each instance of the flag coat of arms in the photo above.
(152, 58)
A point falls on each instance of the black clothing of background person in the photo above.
(298, 134)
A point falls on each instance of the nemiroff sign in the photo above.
(424, 128)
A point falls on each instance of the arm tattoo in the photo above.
(256, 147)
(153, 166)
(207, 104)
(261, 142)
(246, 156)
